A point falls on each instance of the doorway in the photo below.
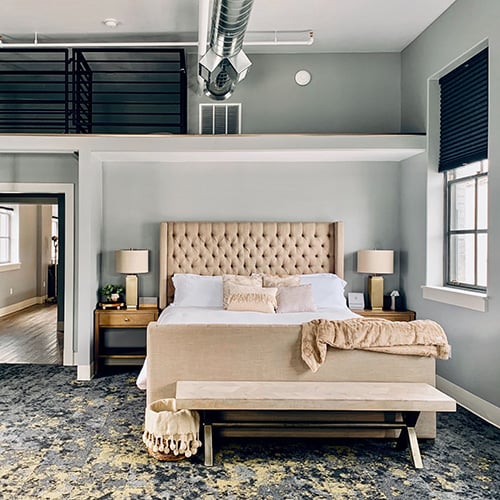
(32, 322)
(54, 296)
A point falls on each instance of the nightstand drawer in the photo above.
(390, 315)
(126, 319)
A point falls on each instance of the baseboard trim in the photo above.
(19, 306)
(85, 372)
(480, 407)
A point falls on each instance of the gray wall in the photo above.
(138, 196)
(348, 93)
(52, 168)
(475, 336)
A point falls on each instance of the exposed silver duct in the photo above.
(225, 64)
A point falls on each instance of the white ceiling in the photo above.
(338, 25)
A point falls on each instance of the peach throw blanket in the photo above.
(417, 338)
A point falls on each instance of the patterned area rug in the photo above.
(60, 438)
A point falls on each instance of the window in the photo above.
(463, 158)
(5, 234)
(9, 236)
(467, 226)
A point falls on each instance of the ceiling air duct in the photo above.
(225, 64)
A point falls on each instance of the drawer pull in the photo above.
(126, 319)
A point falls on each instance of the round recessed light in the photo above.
(111, 23)
(302, 77)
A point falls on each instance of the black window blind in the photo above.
(464, 113)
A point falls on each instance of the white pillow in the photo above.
(194, 290)
(327, 289)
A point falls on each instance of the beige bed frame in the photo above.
(250, 352)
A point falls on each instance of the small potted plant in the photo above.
(111, 293)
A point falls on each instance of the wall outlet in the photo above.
(11, 291)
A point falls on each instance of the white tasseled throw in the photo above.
(168, 430)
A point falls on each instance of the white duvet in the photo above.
(214, 315)
(177, 315)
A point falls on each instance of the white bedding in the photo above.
(214, 315)
(177, 315)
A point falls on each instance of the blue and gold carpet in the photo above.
(60, 438)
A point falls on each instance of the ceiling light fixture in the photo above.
(111, 23)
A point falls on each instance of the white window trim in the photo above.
(434, 289)
(10, 266)
(14, 262)
(456, 297)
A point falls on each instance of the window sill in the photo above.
(10, 267)
(460, 298)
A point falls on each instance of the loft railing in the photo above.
(102, 91)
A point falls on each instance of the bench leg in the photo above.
(414, 448)
(207, 435)
(408, 437)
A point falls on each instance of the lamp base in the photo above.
(131, 285)
(376, 292)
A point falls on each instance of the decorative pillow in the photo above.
(277, 281)
(295, 299)
(327, 289)
(251, 298)
(194, 290)
(227, 279)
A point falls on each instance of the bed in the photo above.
(200, 350)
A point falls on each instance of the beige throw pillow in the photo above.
(251, 298)
(295, 299)
(228, 279)
(277, 281)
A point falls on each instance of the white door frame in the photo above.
(69, 264)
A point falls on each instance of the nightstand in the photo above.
(390, 315)
(120, 318)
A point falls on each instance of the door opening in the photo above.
(49, 266)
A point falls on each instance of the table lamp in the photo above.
(131, 262)
(376, 262)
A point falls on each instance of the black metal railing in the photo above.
(102, 91)
(125, 91)
(82, 95)
(34, 93)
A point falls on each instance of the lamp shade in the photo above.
(376, 261)
(131, 261)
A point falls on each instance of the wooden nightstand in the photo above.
(390, 315)
(122, 318)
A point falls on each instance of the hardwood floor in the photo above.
(31, 336)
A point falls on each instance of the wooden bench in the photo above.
(409, 399)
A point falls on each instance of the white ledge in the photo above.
(10, 267)
(228, 148)
(455, 297)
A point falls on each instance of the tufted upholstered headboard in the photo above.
(215, 248)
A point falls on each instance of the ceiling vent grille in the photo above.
(220, 119)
